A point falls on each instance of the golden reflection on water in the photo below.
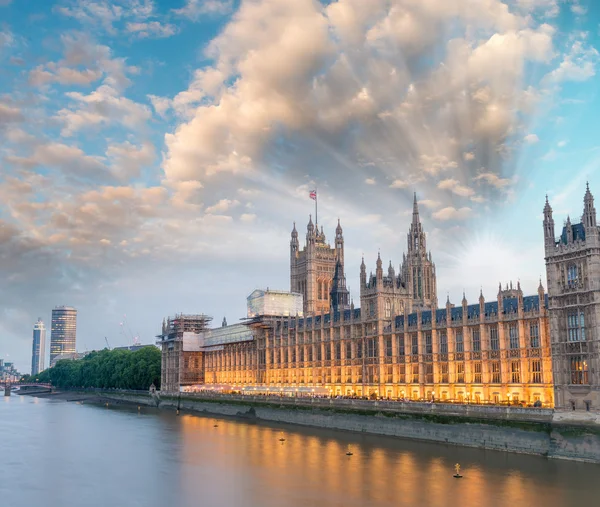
(248, 464)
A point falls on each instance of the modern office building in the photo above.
(63, 336)
(38, 352)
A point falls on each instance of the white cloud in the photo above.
(9, 114)
(370, 181)
(195, 9)
(247, 217)
(469, 156)
(531, 138)
(399, 184)
(451, 213)
(577, 65)
(455, 187)
(222, 206)
(152, 29)
(429, 203)
(562, 144)
(127, 160)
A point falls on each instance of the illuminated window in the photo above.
(534, 336)
(536, 371)
(476, 340)
(477, 373)
(444, 373)
(515, 372)
(496, 377)
(415, 373)
(429, 373)
(579, 370)
(460, 373)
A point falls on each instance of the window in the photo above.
(576, 326)
(415, 373)
(401, 350)
(428, 346)
(388, 347)
(513, 334)
(371, 308)
(371, 348)
(359, 350)
(388, 309)
(443, 343)
(338, 351)
(460, 346)
(536, 371)
(401, 374)
(494, 343)
(496, 397)
(476, 339)
(349, 350)
(477, 373)
(444, 373)
(579, 370)
(460, 373)
(572, 276)
(415, 345)
(534, 335)
(429, 373)
(515, 372)
(496, 378)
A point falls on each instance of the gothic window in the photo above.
(494, 342)
(579, 370)
(415, 373)
(402, 374)
(444, 373)
(458, 337)
(575, 326)
(429, 373)
(515, 372)
(513, 333)
(401, 349)
(388, 309)
(536, 371)
(496, 377)
(428, 345)
(348, 350)
(371, 308)
(477, 373)
(443, 343)
(460, 373)
(388, 347)
(415, 345)
(534, 335)
(338, 351)
(572, 276)
(476, 339)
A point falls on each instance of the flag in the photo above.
(313, 195)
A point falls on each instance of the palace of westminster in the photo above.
(541, 348)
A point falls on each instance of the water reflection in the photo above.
(65, 454)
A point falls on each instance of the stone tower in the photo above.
(418, 269)
(573, 275)
(312, 269)
(383, 297)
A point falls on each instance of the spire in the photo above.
(379, 263)
(464, 299)
(589, 212)
(362, 264)
(415, 210)
(224, 323)
(338, 229)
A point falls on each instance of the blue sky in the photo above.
(154, 154)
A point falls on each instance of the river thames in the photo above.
(61, 454)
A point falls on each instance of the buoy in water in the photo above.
(457, 470)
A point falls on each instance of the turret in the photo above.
(363, 273)
(294, 244)
(548, 227)
(589, 212)
(339, 242)
(541, 294)
(310, 232)
(379, 270)
(391, 272)
(481, 302)
(501, 299)
(569, 230)
(224, 323)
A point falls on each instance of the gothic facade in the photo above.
(573, 275)
(313, 267)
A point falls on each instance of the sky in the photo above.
(154, 154)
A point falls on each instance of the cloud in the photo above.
(127, 160)
(4, 3)
(531, 139)
(450, 213)
(493, 180)
(370, 181)
(455, 187)
(247, 217)
(579, 64)
(399, 184)
(429, 203)
(9, 114)
(562, 144)
(469, 156)
(152, 29)
(195, 9)
(101, 107)
(222, 206)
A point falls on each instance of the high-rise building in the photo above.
(64, 332)
(38, 353)
(573, 271)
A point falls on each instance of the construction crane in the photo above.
(107, 345)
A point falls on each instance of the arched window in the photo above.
(572, 275)
(388, 309)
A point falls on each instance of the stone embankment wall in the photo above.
(512, 429)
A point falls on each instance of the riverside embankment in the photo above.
(511, 429)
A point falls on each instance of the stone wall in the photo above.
(529, 431)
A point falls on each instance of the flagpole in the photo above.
(316, 197)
